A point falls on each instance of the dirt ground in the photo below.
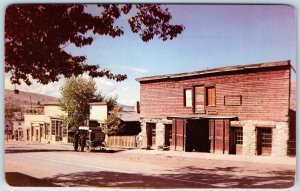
(57, 165)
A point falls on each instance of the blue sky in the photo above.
(214, 36)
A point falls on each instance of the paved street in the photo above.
(30, 164)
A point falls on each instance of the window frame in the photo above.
(238, 133)
(184, 97)
(266, 142)
(207, 87)
(194, 98)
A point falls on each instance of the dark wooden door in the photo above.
(219, 135)
(168, 134)
(236, 142)
(264, 141)
(178, 135)
(151, 134)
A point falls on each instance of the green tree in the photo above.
(113, 124)
(36, 35)
(111, 102)
(76, 95)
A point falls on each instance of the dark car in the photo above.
(89, 138)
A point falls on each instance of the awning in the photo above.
(201, 116)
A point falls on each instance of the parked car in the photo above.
(89, 138)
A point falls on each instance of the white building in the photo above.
(49, 127)
(98, 112)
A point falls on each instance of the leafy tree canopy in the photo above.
(76, 95)
(113, 125)
(35, 37)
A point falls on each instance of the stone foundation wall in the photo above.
(279, 136)
(160, 133)
(280, 132)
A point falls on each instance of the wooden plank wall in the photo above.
(219, 136)
(122, 141)
(264, 95)
(178, 135)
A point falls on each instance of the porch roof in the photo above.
(201, 116)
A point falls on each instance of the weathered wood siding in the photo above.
(121, 141)
(264, 94)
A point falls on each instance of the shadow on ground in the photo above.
(23, 180)
(34, 150)
(106, 150)
(190, 177)
(22, 150)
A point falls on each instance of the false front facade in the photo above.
(232, 110)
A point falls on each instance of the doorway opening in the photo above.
(197, 133)
(151, 134)
(168, 135)
(236, 142)
(264, 141)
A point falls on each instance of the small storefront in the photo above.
(59, 130)
(18, 134)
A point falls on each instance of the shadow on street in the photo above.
(191, 177)
(22, 150)
(34, 150)
(22, 180)
(106, 150)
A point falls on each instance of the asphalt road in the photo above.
(28, 164)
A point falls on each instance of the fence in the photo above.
(122, 141)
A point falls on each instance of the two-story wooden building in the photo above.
(241, 109)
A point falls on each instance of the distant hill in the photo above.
(28, 99)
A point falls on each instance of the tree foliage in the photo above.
(76, 95)
(75, 98)
(36, 35)
(113, 125)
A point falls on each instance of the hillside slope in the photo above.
(24, 99)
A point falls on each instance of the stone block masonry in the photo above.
(250, 137)
(159, 133)
(279, 136)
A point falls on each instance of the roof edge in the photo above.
(98, 103)
(216, 70)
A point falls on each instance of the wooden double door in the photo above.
(206, 135)
(190, 135)
(219, 135)
(179, 135)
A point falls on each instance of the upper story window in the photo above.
(188, 98)
(211, 96)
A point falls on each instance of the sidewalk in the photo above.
(210, 156)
